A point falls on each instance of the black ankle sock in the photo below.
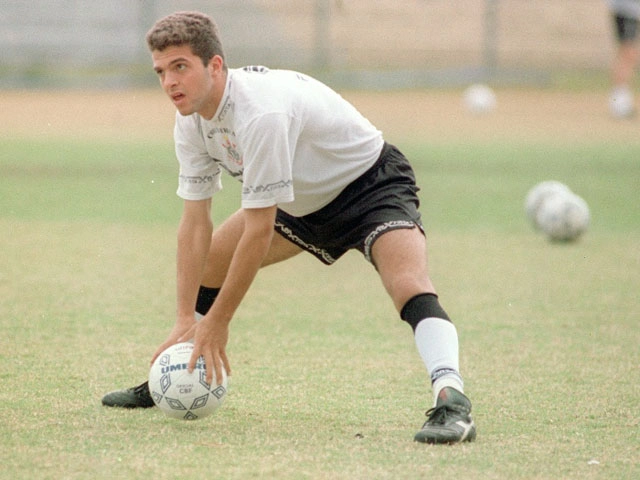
(206, 297)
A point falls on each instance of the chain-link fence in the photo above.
(362, 42)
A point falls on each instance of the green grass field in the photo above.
(327, 383)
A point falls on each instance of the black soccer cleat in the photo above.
(449, 421)
(134, 397)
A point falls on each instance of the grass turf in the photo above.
(327, 383)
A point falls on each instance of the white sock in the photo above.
(437, 342)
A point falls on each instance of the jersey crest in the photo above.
(232, 153)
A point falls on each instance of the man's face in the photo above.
(189, 84)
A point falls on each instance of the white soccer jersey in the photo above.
(290, 140)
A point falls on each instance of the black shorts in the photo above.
(384, 198)
(626, 28)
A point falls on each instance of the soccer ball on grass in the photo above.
(563, 216)
(180, 394)
(479, 99)
(538, 194)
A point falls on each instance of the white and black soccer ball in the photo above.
(622, 103)
(563, 216)
(479, 99)
(180, 394)
(538, 194)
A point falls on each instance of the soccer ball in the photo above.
(180, 394)
(538, 194)
(621, 103)
(563, 216)
(479, 99)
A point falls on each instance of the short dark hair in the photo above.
(195, 29)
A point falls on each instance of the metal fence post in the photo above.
(322, 42)
(490, 40)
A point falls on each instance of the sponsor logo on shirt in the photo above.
(266, 188)
(196, 179)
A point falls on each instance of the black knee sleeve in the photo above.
(206, 297)
(424, 305)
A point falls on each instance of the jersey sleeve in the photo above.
(200, 175)
(268, 152)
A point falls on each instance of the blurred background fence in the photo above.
(357, 43)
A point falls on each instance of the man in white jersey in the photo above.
(625, 15)
(317, 177)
